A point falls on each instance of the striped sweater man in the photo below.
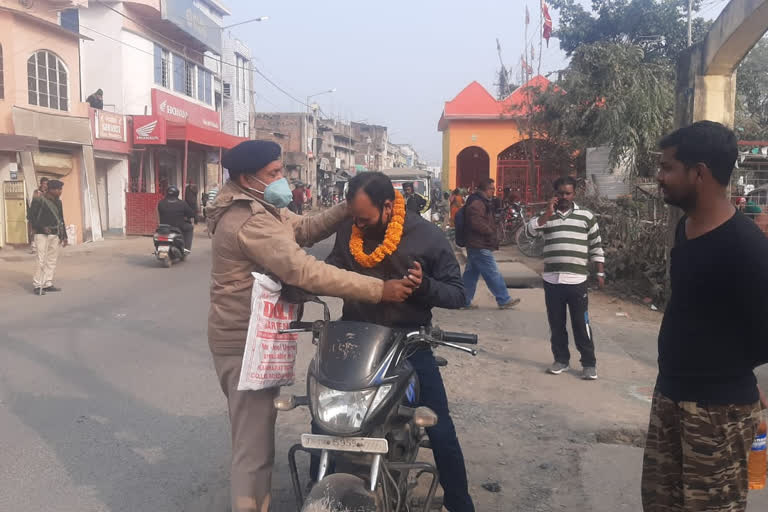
(571, 242)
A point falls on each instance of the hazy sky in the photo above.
(393, 63)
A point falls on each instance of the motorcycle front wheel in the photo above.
(341, 492)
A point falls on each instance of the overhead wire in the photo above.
(142, 50)
(219, 60)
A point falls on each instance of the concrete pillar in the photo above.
(90, 198)
(706, 72)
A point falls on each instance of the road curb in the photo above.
(515, 273)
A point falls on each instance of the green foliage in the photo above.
(659, 27)
(634, 233)
(752, 94)
(610, 95)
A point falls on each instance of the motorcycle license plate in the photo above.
(164, 249)
(345, 444)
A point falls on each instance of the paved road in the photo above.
(108, 399)
(109, 402)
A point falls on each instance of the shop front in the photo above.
(65, 153)
(180, 144)
(112, 151)
(13, 196)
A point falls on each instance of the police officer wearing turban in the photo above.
(253, 231)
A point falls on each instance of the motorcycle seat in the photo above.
(164, 229)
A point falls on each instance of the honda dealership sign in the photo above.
(149, 130)
(194, 21)
(180, 111)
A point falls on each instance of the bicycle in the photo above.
(512, 221)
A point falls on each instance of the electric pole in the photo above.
(690, 21)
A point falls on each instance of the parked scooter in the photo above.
(169, 245)
(363, 395)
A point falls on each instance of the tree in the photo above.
(659, 27)
(752, 94)
(610, 95)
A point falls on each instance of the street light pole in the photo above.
(260, 18)
(310, 111)
(309, 107)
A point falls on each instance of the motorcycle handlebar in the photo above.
(459, 337)
(307, 326)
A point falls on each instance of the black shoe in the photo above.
(39, 291)
(52, 289)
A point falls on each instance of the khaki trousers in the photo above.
(47, 247)
(252, 415)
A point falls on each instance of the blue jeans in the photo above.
(446, 449)
(481, 262)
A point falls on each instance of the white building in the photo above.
(236, 77)
(435, 171)
(162, 62)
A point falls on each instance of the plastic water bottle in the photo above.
(756, 462)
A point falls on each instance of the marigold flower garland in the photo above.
(391, 238)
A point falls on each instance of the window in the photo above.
(47, 81)
(241, 84)
(70, 20)
(162, 66)
(209, 88)
(179, 74)
(204, 87)
(201, 78)
(2, 78)
(237, 77)
(189, 82)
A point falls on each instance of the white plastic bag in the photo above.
(269, 356)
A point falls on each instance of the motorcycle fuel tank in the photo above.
(350, 353)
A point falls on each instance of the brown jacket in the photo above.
(480, 223)
(250, 235)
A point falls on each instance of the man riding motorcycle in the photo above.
(419, 250)
(174, 212)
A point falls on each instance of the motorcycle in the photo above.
(363, 395)
(169, 245)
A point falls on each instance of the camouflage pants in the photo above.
(696, 456)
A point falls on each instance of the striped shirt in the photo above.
(571, 241)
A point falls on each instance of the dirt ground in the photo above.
(551, 443)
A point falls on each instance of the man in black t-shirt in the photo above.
(177, 213)
(706, 404)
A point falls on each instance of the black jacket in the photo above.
(44, 220)
(441, 287)
(174, 213)
(416, 203)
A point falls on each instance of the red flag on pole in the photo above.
(547, 31)
(527, 16)
(526, 67)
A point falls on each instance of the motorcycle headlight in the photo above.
(340, 411)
